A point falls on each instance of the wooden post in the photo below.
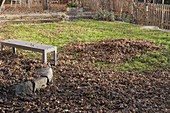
(135, 9)
(163, 12)
(163, 1)
(15, 3)
(42, 3)
(29, 4)
(45, 4)
(25, 3)
(2, 5)
(20, 2)
(11, 2)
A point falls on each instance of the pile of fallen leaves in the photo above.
(110, 51)
(81, 87)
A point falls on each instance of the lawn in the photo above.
(64, 33)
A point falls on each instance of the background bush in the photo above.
(126, 18)
(104, 15)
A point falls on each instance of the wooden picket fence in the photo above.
(143, 13)
(146, 14)
(153, 14)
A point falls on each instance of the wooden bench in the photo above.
(32, 46)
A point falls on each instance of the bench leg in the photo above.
(2, 47)
(45, 57)
(55, 57)
(14, 50)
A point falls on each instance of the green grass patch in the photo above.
(60, 34)
(150, 61)
(103, 65)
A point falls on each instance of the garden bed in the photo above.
(87, 79)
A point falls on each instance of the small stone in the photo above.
(24, 88)
(1, 73)
(40, 83)
(49, 74)
(46, 72)
(1, 101)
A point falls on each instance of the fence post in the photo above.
(163, 13)
(136, 10)
(45, 4)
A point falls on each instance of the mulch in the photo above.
(81, 87)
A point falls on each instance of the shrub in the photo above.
(126, 18)
(104, 15)
(62, 17)
(71, 3)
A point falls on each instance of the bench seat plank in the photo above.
(28, 45)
